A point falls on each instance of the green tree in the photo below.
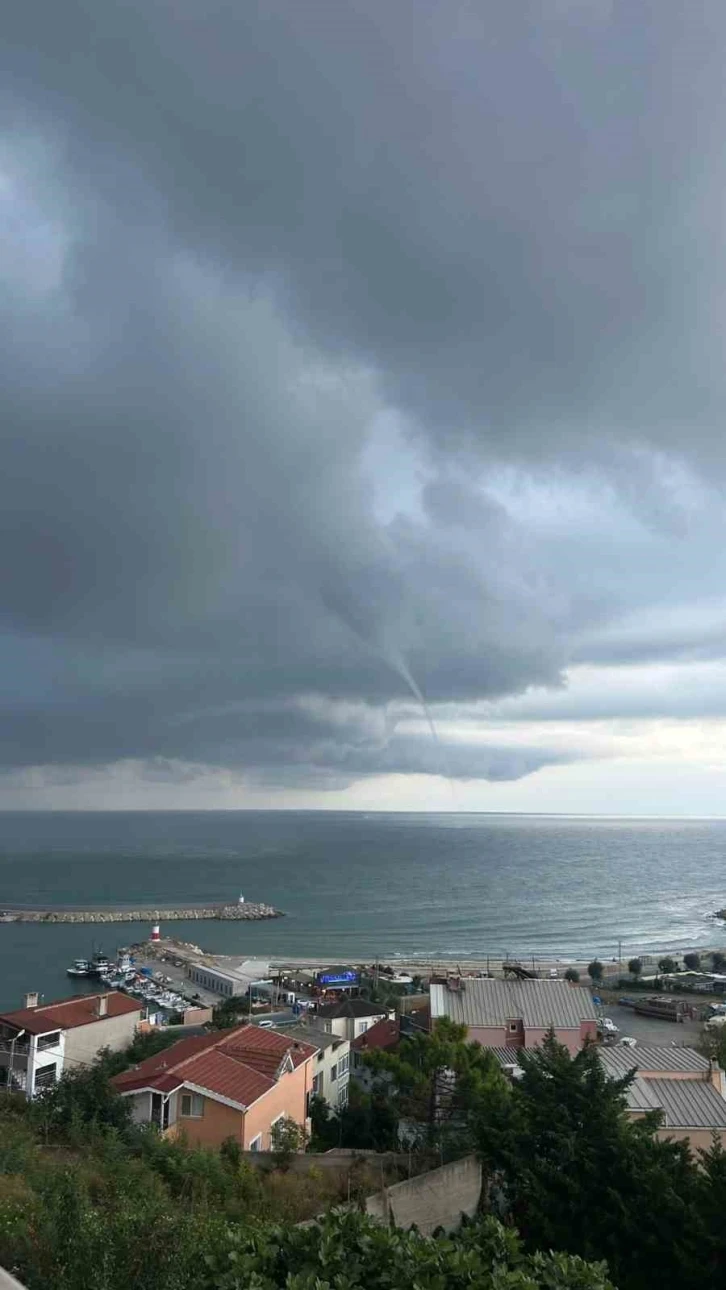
(692, 961)
(231, 1011)
(437, 1081)
(369, 1122)
(635, 967)
(578, 1175)
(718, 961)
(572, 975)
(287, 1137)
(667, 965)
(144, 1045)
(594, 971)
(711, 1186)
(82, 1102)
(325, 1128)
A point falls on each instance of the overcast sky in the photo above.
(364, 399)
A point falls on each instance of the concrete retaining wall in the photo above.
(9, 1283)
(435, 1199)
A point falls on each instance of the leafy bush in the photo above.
(351, 1252)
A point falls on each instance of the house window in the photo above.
(192, 1105)
(513, 1027)
(45, 1076)
(49, 1041)
(344, 1064)
(363, 1027)
(333, 1072)
(317, 1083)
(256, 1143)
(343, 1096)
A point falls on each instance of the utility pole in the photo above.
(620, 956)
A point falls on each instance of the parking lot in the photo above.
(653, 1030)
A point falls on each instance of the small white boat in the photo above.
(81, 967)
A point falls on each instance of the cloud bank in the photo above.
(355, 356)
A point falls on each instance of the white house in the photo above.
(38, 1043)
(331, 1067)
(349, 1018)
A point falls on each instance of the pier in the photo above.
(240, 911)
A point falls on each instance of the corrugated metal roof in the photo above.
(641, 1097)
(481, 1001)
(621, 1059)
(506, 1056)
(686, 1103)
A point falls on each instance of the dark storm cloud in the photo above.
(237, 239)
(504, 206)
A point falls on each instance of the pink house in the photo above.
(516, 1014)
(230, 1084)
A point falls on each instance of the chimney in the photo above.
(102, 1005)
(31, 999)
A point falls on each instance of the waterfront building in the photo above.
(516, 1013)
(40, 1042)
(687, 1088)
(230, 1084)
(232, 980)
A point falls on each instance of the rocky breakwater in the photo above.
(238, 912)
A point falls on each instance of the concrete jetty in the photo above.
(246, 910)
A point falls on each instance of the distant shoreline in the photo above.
(362, 814)
(416, 965)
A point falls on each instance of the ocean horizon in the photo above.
(363, 884)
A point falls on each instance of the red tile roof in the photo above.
(67, 1014)
(383, 1035)
(254, 1040)
(239, 1064)
(161, 1064)
(227, 1077)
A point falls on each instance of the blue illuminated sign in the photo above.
(338, 978)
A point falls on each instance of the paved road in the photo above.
(277, 1018)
